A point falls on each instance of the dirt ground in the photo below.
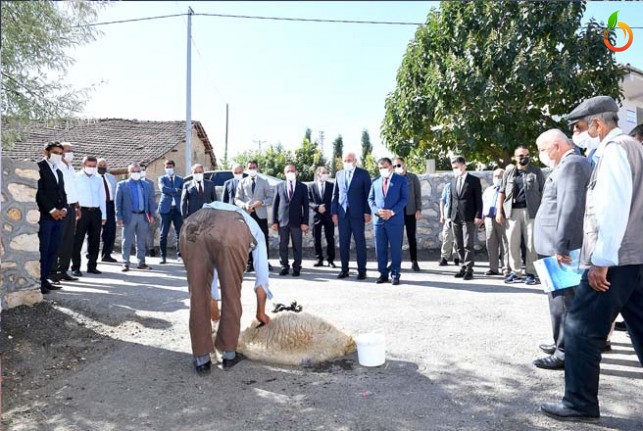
(112, 352)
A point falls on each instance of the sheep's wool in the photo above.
(295, 339)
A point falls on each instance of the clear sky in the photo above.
(278, 77)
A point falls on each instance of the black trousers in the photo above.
(464, 232)
(328, 226)
(109, 230)
(411, 226)
(263, 224)
(66, 247)
(293, 235)
(89, 225)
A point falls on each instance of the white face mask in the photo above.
(143, 174)
(399, 171)
(89, 171)
(497, 182)
(457, 172)
(323, 177)
(169, 171)
(238, 176)
(198, 177)
(252, 172)
(385, 173)
(583, 140)
(135, 176)
(348, 166)
(545, 159)
(55, 158)
(290, 176)
(69, 156)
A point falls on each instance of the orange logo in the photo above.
(612, 23)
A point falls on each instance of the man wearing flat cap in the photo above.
(612, 254)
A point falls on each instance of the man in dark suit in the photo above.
(320, 195)
(230, 186)
(171, 186)
(557, 230)
(197, 192)
(350, 212)
(290, 218)
(52, 204)
(466, 213)
(388, 196)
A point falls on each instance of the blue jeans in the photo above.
(49, 234)
(174, 217)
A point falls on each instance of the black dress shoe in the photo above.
(226, 364)
(395, 282)
(163, 261)
(77, 273)
(319, 263)
(550, 363)
(361, 276)
(56, 286)
(443, 262)
(152, 252)
(332, 264)
(342, 274)
(620, 326)
(284, 271)
(559, 412)
(468, 275)
(55, 277)
(381, 280)
(269, 268)
(125, 268)
(251, 268)
(548, 348)
(66, 277)
(44, 290)
(491, 272)
(109, 259)
(460, 274)
(415, 266)
(456, 261)
(94, 271)
(606, 348)
(203, 368)
(295, 273)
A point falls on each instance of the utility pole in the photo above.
(259, 142)
(225, 153)
(321, 141)
(188, 99)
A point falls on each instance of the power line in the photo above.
(321, 20)
(122, 21)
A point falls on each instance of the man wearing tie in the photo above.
(350, 212)
(466, 213)
(388, 196)
(109, 230)
(197, 192)
(290, 218)
(171, 186)
(151, 229)
(320, 196)
(134, 212)
(230, 186)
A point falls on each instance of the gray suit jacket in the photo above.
(558, 227)
(263, 192)
(415, 194)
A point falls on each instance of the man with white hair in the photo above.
(350, 212)
(495, 233)
(230, 186)
(557, 230)
(613, 253)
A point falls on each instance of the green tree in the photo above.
(480, 78)
(272, 160)
(307, 157)
(36, 40)
(338, 154)
(367, 147)
(308, 134)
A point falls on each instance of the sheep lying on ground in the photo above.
(295, 339)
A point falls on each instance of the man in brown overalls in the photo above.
(210, 239)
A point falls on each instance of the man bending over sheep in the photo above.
(218, 237)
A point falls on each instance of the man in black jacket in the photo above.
(290, 218)
(320, 196)
(52, 204)
(466, 213)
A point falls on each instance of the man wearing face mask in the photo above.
(637, 133)
(413, 210)
(466, 213)
(109, 229)
(197, 192)
(582, 139)
(290, 218)
(254, 195)
(613, 253)
(152, 226)
(230, 186)
(61, 265)
(495, 234)
(320, 196)
(52, 204)
(171, 186)
(93, 215)
(387, 198)
(134, 212)
(518, 201)
(557, 230)
(350, 212)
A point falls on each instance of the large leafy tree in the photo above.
(367, 147)
(338, 154)
(36, 39)
(480, 78)
(272, 160)
(307, 157)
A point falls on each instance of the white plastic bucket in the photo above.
(371, 349)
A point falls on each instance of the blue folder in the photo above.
(557, 277)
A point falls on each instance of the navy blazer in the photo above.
(468, 203)
(50, 193)
(397, 196)
(192, 200)
(125, 202)
(356, 195)
(290, 212)
(316, 200)
(229, 191)
(170, 193)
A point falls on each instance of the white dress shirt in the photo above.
(612, 200)
(259, 253)
(91, 192)
(69, 176)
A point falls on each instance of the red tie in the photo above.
(385, 186)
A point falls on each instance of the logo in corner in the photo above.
(612, 23)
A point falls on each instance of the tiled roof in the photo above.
(119, 141)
